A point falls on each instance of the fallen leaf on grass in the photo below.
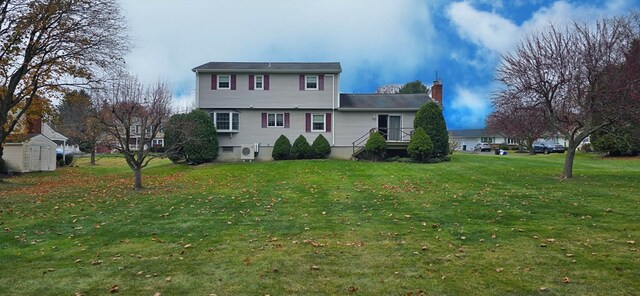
(499, 269)
(352, 289)
(631, 242)
(157, 294)
(95, 262)
(314, 267)
(114, 289)
(566, 280)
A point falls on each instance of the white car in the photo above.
(482, 147)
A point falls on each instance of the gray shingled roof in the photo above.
(267, 67)
(383, 101)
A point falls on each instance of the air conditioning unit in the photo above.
(247, 152)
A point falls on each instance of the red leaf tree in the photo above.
(562, 70)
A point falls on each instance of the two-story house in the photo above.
(252, 104)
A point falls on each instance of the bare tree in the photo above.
(132, 115)
(562, 70)
(46, 44)
(389, 89)
(524, 124)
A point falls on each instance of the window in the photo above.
(134, 129)
(226, 121)
(157, 142)
(511, 141)
(259, 82)
(487, 140)
(224, 82)
(317, 123)
(275, 120)
(311, 82)
(227, 149)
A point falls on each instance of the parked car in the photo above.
(482, 147)
(547, 147)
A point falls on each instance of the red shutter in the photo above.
(321, 82)
(233, 82)
(251, 82)
(301, 82)
(328, 122)
(286, 120)
(264, 120)
(307, 122)
(265, 82)
(214, 81)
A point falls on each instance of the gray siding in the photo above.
(350, 126)
(283, 93)
(251, 130)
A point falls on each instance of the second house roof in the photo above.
(268, 67)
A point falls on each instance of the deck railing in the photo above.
(398, 135)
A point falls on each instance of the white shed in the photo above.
(36, 154)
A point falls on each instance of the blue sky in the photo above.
(377, 41)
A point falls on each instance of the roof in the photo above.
(268, 67)
(468, 133)
(383, 101)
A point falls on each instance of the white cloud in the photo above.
(492, 31)
(485, 29)
(387, 36)
(472, 106)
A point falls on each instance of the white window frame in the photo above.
(157, 142)
(324, 123)
(489, 140)
(275, 119)
(255, 82)
(232, 116)
(306, 82)
(220, 81)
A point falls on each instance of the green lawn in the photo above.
(478, 225)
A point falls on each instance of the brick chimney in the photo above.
(436, 92)
(35, 125)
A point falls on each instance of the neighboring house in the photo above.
(252, 104)
(136, 137)
(37, 152)
(467, 138)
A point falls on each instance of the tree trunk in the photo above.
(567, 172)
(93, 156)
(137, 182)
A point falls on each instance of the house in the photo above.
(136, 137)
(466, 139)
(252, 104)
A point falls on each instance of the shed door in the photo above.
(34, 158)
(45, 157)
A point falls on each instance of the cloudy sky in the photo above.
(377, 41)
